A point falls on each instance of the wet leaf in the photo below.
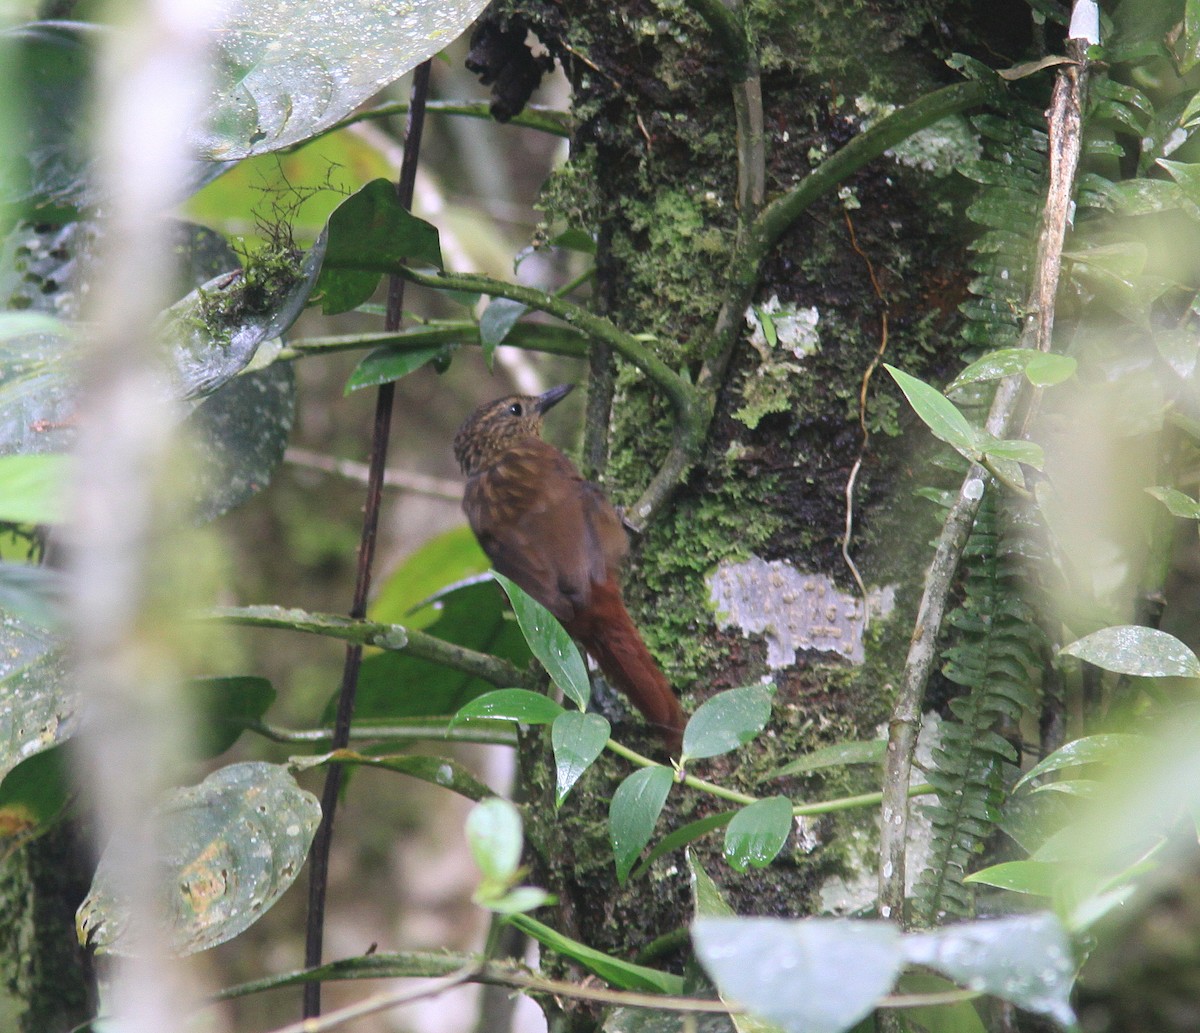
(37, 703)
(1133, 649)
(836, 755)
(578, 739)
(727, 721)
(809, 976)
(1177, 502)
(550, 643)
(283, 73)
(1026, 960)
(634, 812)
(230, 847)
(498, 318)
(1092, 749)
(758, 832)
(384, 365)
(521, 705)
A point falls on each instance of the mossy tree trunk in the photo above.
(877, 268)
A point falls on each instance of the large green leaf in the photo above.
(33, 487)
(405, 596)
(222, 705)
(940, 414)
(285, 72)
(230, 847)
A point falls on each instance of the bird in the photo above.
(559, 538)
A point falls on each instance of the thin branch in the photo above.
(318, 858)
(380, 1002)
(1065, 126)
(553, 340)
(492, 733)
(403, 480)
(395, 637)
(542, 119)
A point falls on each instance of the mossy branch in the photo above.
(395, 637)
(776, 218)
(727, 27)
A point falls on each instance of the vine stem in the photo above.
(322, 842)
(1065, 121)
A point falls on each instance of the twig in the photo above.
(380, 1002)
(1065, 125)
(395, 637)
(318, 869)
(493, 733)
(404, 480)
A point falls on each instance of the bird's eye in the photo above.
(515, 409)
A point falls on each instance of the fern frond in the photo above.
(995, 657)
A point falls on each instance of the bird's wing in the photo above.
(529, 514)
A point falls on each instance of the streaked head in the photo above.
(496, 426)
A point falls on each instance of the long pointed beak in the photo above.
(552, 397)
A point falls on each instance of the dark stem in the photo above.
(318, 872)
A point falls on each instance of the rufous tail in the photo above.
(608, 633)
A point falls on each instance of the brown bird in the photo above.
(559, 538)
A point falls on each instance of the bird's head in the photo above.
(496, 426)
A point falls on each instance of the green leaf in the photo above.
(818, 975)
(404, 596)
(727, 721)
(622, 974)
(438, 771)
(32, 594)
(38, 406)
(521, 705)
(1186, 175)
(237, 438)
(758, 832)
(1092, 749)
(578, 739)
(516, 901)
(371, 233)
(384, 365)
(550, 643)
(1133, 649)
(470, 614)
(280, 77)
(834, 756)
(33, 488)
(33, 794)
(222, 704)
(1028, 452)
(498, 318)
(1026, 960)
(1042, 368)
(634, 812)
(940, 415)
(40, 708)
(1037, 878)
(1045, 369)
(707, 901)
(214, 332)
(959, 1017)
(230, 847)
(494, 836)
(1177, 502)
(682, 836)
